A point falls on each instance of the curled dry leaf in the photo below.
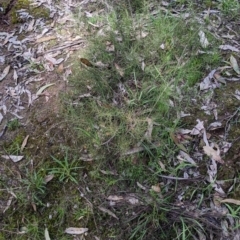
(213, 154)
(198, 128)
(108, 212)
(100, 64)
(34, 206)
(115, 198)
(182, 114)
(1, 118)
(163, 168)
(76, 231)
(43, 88)
(148, 133)
(8, 203)
(230, 200)
(226, 146)
(107, 172)
(15, 76)
(4, 73)
(60, 68)
(156, 188)
(237, 94)
(86, 62)
(215, 125)
(203, 40)
(183, 156)
(48, 178)
(207, 83)
(24, 143)
(55, 61)
(119, 70)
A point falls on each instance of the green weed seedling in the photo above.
(65, 170)
(234, 211)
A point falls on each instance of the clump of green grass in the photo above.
(65, 170)
(122, 102)
(150, 58)
(13, 124)
(230, 8)
(146, 63)
(35, 187)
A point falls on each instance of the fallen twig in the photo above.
(64, 46)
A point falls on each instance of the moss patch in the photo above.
(39, 12)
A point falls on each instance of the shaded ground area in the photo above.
(59, 184)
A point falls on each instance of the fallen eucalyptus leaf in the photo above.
(53, 60)
(1, 118)
(198, 128)
(226, 146)
(237, 94)
(228, 47)
(43, 88)
(15, 76)
(213, 154)
(77, 231)
(86, 62)
(45, 39)
(185, 157)
(14, 158)
(46, 234)
(24, 143)
(207, 83)
(8, 204)
(215, 125)
(108, 212)
(148, 133)
(203, 40)
(234, 64)
(230, 200)
(115, 198)
(119, 70)
(5, 72)
(48, 178)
